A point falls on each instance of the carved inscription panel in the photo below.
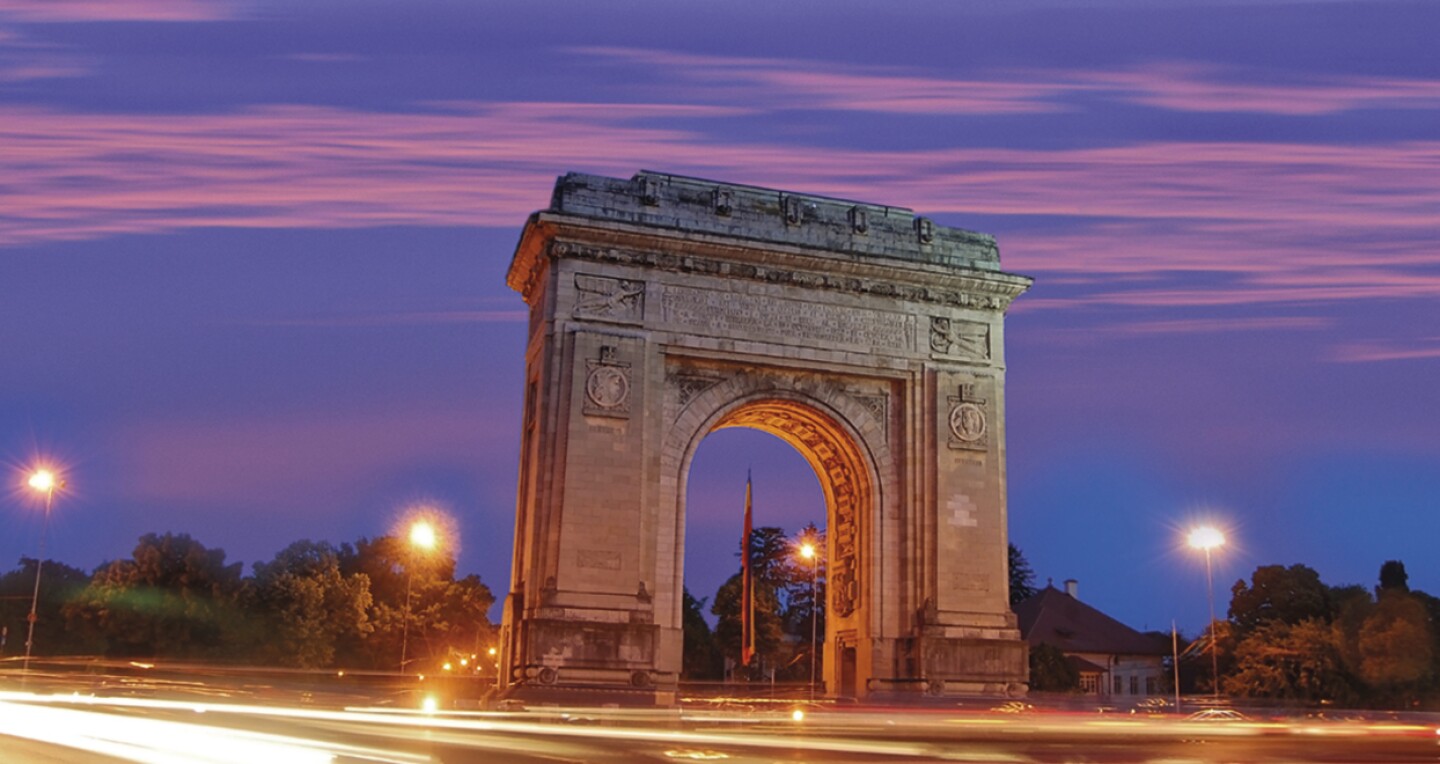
(788, 321)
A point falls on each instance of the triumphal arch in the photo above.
(663, 308)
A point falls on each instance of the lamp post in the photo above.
(809, 552)
(1208, 538)
(44, 481)
(422, 536)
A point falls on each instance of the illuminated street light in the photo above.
(1208, 538)
(809, 552)
(423, 537)
(42, 480)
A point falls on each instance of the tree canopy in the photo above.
(313, 605)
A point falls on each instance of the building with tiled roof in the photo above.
(1112, 659)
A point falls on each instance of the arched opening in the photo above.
(788, 511)
(845, 475)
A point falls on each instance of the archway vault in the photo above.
(846, 479)
(665, 308)
(828, 428)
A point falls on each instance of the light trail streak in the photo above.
(157, 741)
(373, 723)
(548, 733)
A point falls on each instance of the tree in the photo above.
(1022, 578)
(173, 598)
(455, 618)
(1296, 662)
(700, 658)
(444, 615)
(1277, 593)
(1051, 671)
(1393, 577)
(768, 624)
(1395, 643)
(308, 605)
(60, 583)
(804, 584)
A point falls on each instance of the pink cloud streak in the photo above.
(117, 10)
(1172, 85)
(1370, 352)
(789, 84)
(1182, 87)
(1291, 221)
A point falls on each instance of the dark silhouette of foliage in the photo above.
(311, 606)
(1277, 593)
(701, 659)
(1296, 662)
(308, 605)
(1051, 671)
(59, 584)
(1022, 578)
(445, 615)
(1395, 643)
(174, 597)
(1393, 577)
(783, 582)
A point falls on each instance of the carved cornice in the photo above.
(985, 290)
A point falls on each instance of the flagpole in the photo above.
(1175, 659)
(747, 593)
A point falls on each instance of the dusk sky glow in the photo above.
(252, 259)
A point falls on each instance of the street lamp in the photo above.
(809, 552)
(44, 481)
(1208, 538)
(422, 536)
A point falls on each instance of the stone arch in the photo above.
(663, 308)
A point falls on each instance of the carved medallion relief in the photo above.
(607, 385)
(968, 423)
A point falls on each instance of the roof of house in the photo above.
(1083, 666)
(1055, 618)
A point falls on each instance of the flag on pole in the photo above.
(747, 586)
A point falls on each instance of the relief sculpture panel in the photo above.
(789, 321)
(607, 299)
(961, 339)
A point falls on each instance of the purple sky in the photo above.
(252, 258)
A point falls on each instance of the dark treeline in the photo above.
(1290, 637)
(784, 609)
(314, 605)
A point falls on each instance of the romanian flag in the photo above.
(747, 586)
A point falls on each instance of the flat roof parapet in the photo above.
(770, 215)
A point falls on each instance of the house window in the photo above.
(1151, 685)
(1119, 688)
(1090, 684)
(1134, 685)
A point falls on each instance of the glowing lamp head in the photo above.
(422, 534)
(1206, 537)
(807, 550)
(42, 480)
